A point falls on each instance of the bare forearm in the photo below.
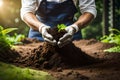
(84, 20)
(31, 20)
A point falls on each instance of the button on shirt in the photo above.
(32, 6)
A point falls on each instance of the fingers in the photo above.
(61, 44)
(65, 37)
(49, 38)
(64, 40)
(52, 42)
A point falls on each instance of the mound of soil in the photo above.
(50, 57)
(8, 55)
(53, 57)
(59, 62)
(79, 60)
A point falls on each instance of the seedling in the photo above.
(61, 27)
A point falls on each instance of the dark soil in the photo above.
(80, 60)
(8, 55)
(53, 57)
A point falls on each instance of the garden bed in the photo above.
(80, 60)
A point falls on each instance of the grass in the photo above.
(11, 72)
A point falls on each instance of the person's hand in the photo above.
(67, 37)
(43, 29)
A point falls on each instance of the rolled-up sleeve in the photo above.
(88, 6)
(27, 6)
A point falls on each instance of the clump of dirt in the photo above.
(56, 33)
(8, 55)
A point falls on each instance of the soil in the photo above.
(79, 60)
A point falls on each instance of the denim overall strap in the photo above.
(53, 13)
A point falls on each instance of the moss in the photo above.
(11, 72)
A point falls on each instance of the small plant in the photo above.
(113, 49)
(6, 41)
(113, 37)
(61, 27)
(16, 38)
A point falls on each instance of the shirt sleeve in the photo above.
(88, 6)
(28, 6)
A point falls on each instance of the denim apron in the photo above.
(52, 14)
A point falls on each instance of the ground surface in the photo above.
(94, 65)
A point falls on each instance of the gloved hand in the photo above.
(67, 37)
(43, 29)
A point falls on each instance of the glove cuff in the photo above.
(43, 26)
(75, 27)
(40, 27)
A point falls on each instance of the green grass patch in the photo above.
(11, 72)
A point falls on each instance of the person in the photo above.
(41, 15)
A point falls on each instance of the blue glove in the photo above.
(67, 37)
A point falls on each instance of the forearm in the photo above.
(31, 20)
(84, 20)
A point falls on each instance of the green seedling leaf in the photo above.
(19, 37)
(1, 28)
(61, 27)
(8, 30)
(115, 30)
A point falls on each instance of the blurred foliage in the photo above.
(10, 16)
(115, 49)
(15, 39)
(4, 42)
(7, 41)
(113, 37)
(117, 14)
(11, 72)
